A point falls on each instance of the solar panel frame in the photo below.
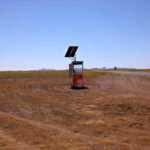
(71, 51)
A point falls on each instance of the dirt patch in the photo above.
(43, 113)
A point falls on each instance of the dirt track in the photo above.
(44, 114)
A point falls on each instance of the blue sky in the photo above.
(35, 34)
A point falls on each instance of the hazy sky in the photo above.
(35, 34)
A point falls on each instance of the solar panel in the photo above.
(71, 51)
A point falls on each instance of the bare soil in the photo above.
(45, 114)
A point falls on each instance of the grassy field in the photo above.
(32, 74)
(46, 74)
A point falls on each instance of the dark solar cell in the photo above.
(71, 51)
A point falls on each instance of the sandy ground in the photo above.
(45, 114)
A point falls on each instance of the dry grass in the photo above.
(46, 74)
(94, 74)
(31, 74)
(39, 111)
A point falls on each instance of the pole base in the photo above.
(79, 87)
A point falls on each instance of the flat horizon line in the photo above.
(94, 68)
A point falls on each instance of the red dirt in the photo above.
(45, 114)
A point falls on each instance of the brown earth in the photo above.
(45, 114)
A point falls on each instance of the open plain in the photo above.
(39, 111)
